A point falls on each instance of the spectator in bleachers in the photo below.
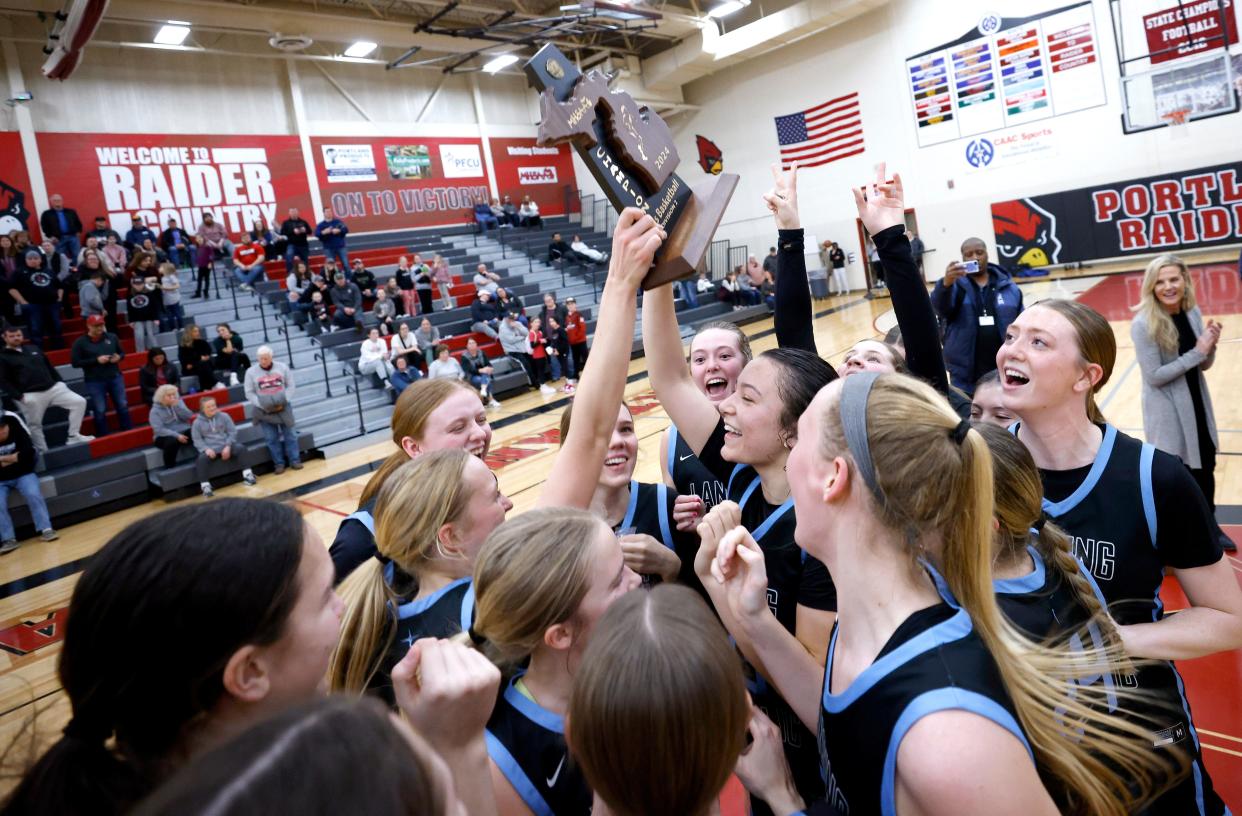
(173, 317)
(537, 344)
(317, 312)
(331, 232)
(296, 232)
(273, 243)
(8, 255)
(558, 347)
(511, 212)
(769, 261)
(689, 292)
(170, 420)
(403, 375)
(363, 278)
(750, 295)
(483, 216)
(138, 234)
(576, 334)
(585, 250)
(17, 465)
(58, 264)
(92, 247)
(528, 213)
(485, 280)
(405, 344)
(755, 272)
(98, 353)
(114, 251)
(248, 260)
(269, 389)
(177, 243)
(422, 286)
(478, 371)
(444, 280)
(62, 225)
(730, 290)
(558, 249)
(11, 265)
(92, 290)
(704, 285)
(158, 371)
(373, 358)
(227, 348)
(767, 290)
(444, 366)
(143, 313)
(428, 338)
(142, 265)
(507, 302)
(514, 342)
(194, 354)
(213, 242)
(498, 212)
(394, 294)
(150, 246)
(552, 309)
(102, 232)
(214, 435)
(29, 379)
(347, 299)
(484, 316)
(39, 293)
(404, 276)
(298, 280)
(384, 311)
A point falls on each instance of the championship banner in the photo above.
(238, 178)
(524, 169)
(1190, 28)
(1165, 213)
(16, 202)
(400, 182)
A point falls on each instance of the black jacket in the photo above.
(297, 239)
(85, 354)
(25, 370)
(50, 224)
(481, 312)
(19, 443)
(148, 383)
(471, 365)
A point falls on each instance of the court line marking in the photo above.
(321, 507)
(1222, 750)
(1219, 735)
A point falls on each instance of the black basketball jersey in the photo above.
(650, 512)
(527, 743)
(443, 614)
(934, 662)
(690, 476)
(1131, 513)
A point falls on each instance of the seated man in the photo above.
(215, 438)
(102, 231)
(347, 299)
(248, 259)
(583, 249)
(363, 278)
(486, 281)
(558, 249)
(176, 243)
(138, 234)
(484, 317)
(17, 464)
(511, 212)
(483, 216)
(478, 370)
(28, 378)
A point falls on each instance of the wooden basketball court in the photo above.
(36, 581)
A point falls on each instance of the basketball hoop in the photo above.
(1176, 121)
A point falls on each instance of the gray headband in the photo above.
(854, 394)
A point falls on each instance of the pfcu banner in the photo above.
(1165, 213)
(239, 179)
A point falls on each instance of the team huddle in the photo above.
(846, 592)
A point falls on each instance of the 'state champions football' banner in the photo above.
(16, 202)
(239, 179)
(1165, 213)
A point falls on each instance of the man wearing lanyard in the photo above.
(977, 301)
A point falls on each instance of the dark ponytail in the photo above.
(153, 621)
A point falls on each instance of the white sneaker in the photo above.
(493, 404)
(78, 438)
(248, 476)
(483, 391)
(546, 389)
(233, 379)
(206, 488)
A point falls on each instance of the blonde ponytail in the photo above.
(366, 629)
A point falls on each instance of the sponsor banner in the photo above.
(238, 178)
(525, 169)
(348, 162)
(1170, 212)
(426, 182)
(1190, 28)
(1010, 147)
(16, 202)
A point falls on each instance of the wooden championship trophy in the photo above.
(630, 151)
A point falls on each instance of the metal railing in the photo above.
(355, 388)
(718, 259)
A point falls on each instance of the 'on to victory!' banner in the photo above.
(1193, 208)
(239, 179)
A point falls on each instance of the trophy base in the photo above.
(687, 244)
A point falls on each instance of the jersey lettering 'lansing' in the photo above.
(690, 476)
(527, 744)
(934, 662)
(1131, 513)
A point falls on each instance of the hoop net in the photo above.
(1176, 120)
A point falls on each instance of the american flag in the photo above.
(821, 134)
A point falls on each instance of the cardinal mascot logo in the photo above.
(1026, 234)
(13, 213)
(710, 157)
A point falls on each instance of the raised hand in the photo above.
(447, 691)
(687, 511)
(881, 204)
(646, 556)
(634, 243)
(762, 766)
(740, 567)
(782, 199)
(722, 518)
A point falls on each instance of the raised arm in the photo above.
(599, 393)
(792, 314)
(690, 410)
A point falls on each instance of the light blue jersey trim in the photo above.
(1027, 583)
(516, 776)
(532, 711)
(1058, 509)
(666, 532)
(672, 449)
(1145, 487)
(420, 605)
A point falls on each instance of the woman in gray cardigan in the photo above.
(1174, 346)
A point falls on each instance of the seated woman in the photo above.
(194, 354)
(158, 371)
(403, 376)
(528, 213)
(445, 366)
(228, 353)
(215, 437)
(170, 420)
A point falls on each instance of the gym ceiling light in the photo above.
(360, 49)
(503, 61)
(727, 8)
(174, 33)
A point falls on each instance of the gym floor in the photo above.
(37, 580)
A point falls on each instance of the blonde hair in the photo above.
(1093, 763)
(1160, 326)
(163, 391)
(532, 573)
(409, 419)
(415, 501)
(1095, 340)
